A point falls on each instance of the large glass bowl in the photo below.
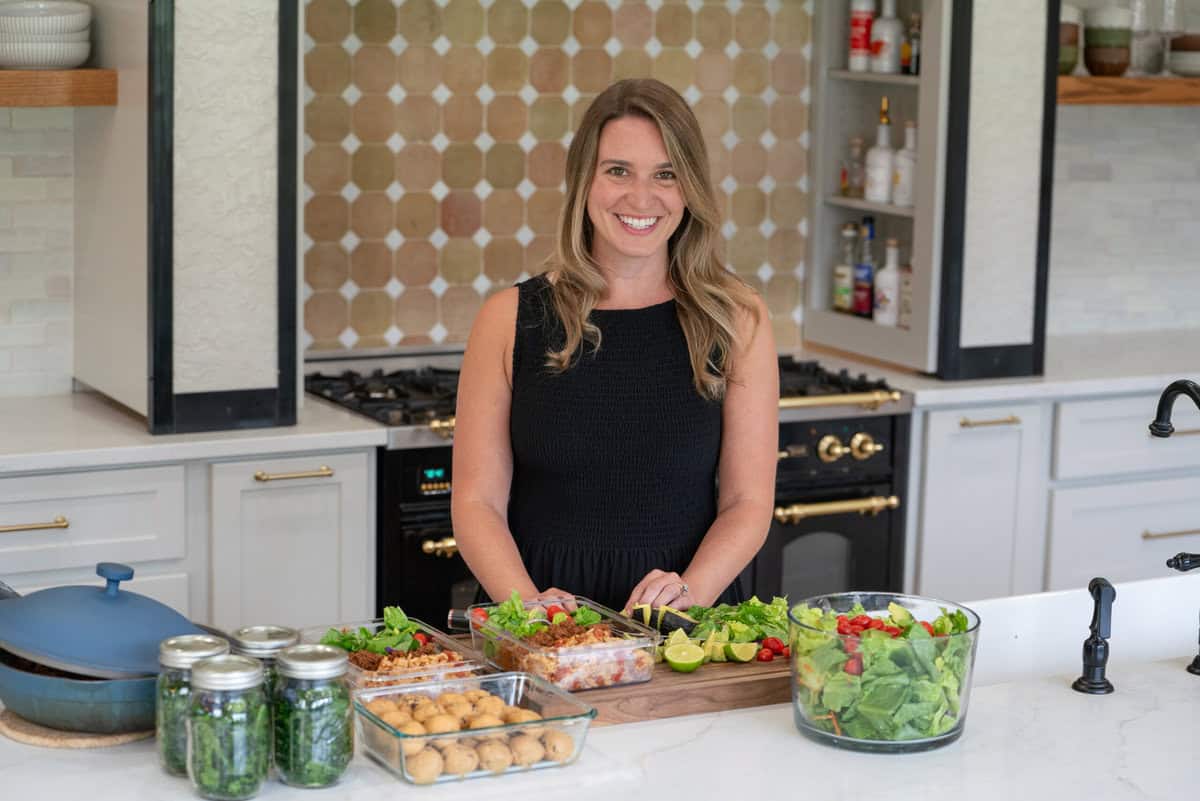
(872, 691)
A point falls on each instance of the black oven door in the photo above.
(835, 541)
(421, 571)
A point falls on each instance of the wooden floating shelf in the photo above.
(863, 205)
(876, 77)
(1083, 90)
(57, 88)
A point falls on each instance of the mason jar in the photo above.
(173, 691)
(314, 732)
(264, 643)
(229, 728)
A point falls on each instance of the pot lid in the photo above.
(104, 632)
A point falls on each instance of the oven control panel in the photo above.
(434, 481)
(837, 450)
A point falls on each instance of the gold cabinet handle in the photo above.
(863, 446)
(867, 400)
(1011, 420)
(58, 522)
(1162, 535)
(320, 472)
(446, 547)
(863, 506)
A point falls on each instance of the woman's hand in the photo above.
(661, 588)
(560, 598)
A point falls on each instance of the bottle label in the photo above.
(864, 278)
(860, 32)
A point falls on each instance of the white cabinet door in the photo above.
(1111, 436)
(982, 503)
(291, 540)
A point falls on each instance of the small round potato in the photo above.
(559, 745)
(526, 750)
(494, 756)
(425, 766)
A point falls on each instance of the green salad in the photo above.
(398, 633)
(749, 621)
(888, 677)
(513, 616)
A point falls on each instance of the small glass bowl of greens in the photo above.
(881, 671)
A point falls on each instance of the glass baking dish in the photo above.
(461, 659)
(450, 729)
(628, 660)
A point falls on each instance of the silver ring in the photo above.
(683, 588)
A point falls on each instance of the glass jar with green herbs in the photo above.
(173, 692)
(264, 644)
(314, 732)
(229, 728)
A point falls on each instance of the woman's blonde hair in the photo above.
(708, 297)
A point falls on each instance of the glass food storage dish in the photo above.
(313, 726)
(614, 651)
(881, 671)
(444, 730)
(439, 657)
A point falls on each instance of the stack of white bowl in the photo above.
(44, 34)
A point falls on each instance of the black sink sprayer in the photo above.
(1184, 562)
(1095, 647)
(1161, 427)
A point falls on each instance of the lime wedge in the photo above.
(741, 651)
(684, 657)
(678, 636)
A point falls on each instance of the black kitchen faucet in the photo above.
(1183, 562)
(1161, 427)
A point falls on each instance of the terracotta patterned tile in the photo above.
(547, 164)
(462, 166)
(789, 206)
(507, 118)
(783, 293)
(419, 69)
(789, 117)
(371, 265)
(462, 21)
(633, 24)
(419, 21)
(416, 263)
(507, 69)
(793, 26)
(550, 22)
(749, 117)
(714, 27)
(507, 21)
(327, 218)
(374, 69)
(326, 266)
(749, 207)
(375, 21)
(326, 315)
(714, 72)
(673, 25)
(787, 161)
(591, 70)
(504, 166)
(416, 311)
(747, 251)
(720, 163)
(503, 212)
(462, 213)
(462, 118)
(675, 68)
(786, 249)
(580, 108)
(543, 210)
(416, 215)
(713, 115)
(750, 73)
(418, 166)
(327, 168)
(327, 21)
(461, 261)
(418, 118)
(789, 73)
(593, 23)
(459, 306)
(752, 27)
(463, 69)
(327, 69)
(632, 64)
(503, 259)
(373, 118)
(749, 162)
(372, 167)
(327, 119)
(548, 118)
(549, 69)
(536, 254)
(371, 215)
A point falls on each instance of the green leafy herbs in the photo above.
(395, 635)
(230, 743)
(515, 617)
(749, 621)
(172, 701)
(314, 735)
(586, 616)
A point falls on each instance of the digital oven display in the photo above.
(434, 481)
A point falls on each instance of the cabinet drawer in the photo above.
(1107, 437)
(78, 519)
(1123, 532)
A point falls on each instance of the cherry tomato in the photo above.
(787, 652)
(554, 609)
(928, 627)
(421, 637)
(854, 665)
(861, 620)
(765, 655)
(479, 614)
(892, 630)
(851, 645)
(876, 623)
(774, 643)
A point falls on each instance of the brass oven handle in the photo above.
(320, 472)
(443, 427)
(446, 547)
(802, 511)
(1011, 420)
(867, 400)
(793, 452)
(1153, 535)
(57, 522)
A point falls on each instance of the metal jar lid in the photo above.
(227, 672)
(312, 662)
(185, 651)
(263, 641)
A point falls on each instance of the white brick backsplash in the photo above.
(14, 143)
(5, 118)
(47, 216)
(43, 119)
(42, 166)
(16, 190)
(6, 167)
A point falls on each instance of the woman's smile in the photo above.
(638, 225)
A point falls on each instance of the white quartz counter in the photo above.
(85, 430)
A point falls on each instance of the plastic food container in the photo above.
(314, 733)
(871, 691)
(468, 662)
(629, 660)
(423, 732)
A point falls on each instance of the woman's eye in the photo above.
(666, 175)
(618, 171)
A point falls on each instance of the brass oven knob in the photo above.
(793, 452)
(446, 547)
(443, 427)
(830, 449)
(864, 446)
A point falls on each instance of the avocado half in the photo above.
(663, 618)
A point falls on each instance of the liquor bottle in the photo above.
(886, 35)
(853, 174)
(904, 316)
(914, 44)
(862, 14)
(906, 168)
(864, 270)
(887, 286)
(843, 271)
(880, 159)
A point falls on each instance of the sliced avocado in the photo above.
(715, 648)
(902, 617)
(641, 611)
(668, 620)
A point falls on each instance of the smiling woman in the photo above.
(600, 402)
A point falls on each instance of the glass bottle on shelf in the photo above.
(862, 15)
(887, 286)
(906, 168)
(913, 65)
(880, 159)
(886, 35)
(853, 173)
(864, 270)
(904, 313)
(843, 271)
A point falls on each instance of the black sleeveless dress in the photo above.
(614, 460)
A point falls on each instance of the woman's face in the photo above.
(634, 203)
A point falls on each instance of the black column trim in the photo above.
(219, 411)
(289, 34)
(1046, 187)
(160, 191)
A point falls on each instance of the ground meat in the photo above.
(366, 660)
(569, 631)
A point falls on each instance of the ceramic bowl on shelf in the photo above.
(43, 55)
(44, 16)
(1185, 63)
(1186, 43)
(37, 38)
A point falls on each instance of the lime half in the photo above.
(684, 657)
(741, 651)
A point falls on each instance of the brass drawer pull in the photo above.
(446, 547)
(58, 522)
(320, 472)
(1011, 420)
(444, 427)
(802, 511)
(1162, 535)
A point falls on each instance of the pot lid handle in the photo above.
(114, 573)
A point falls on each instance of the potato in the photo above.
(425, 766)
(459, 760)
(411, 747)
(526, 749)
(494, 756)
(559, 745)
(489, 706)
